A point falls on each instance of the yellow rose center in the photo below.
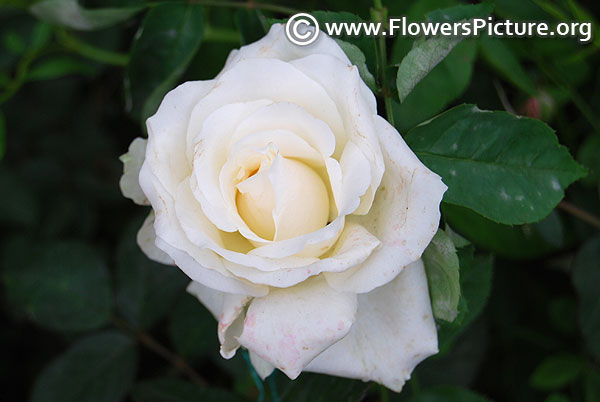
(280, 198)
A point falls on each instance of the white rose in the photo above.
(298, 212)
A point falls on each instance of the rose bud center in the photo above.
(280, 198)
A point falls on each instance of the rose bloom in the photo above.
(299, 214)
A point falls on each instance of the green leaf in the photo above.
(448, 393)
(14, 42)
(146, 290)
(195, 337)
(513, 242)
(358, 59)
(70, 14)
(61, 286)
(441, 265)
(98, 368)
(497, 53)
(41, 36)
(511, 170)
(457, 239)
(445, 83)
(460, 12)
(557, 371)
(174, 390)
(475, 285)
(252, 25)
(426, 54)
(586, 278)
(165, 44)
(420, 60)
(59, 67)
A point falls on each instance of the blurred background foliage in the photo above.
(86, 316)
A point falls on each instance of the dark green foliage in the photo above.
(146, 290)
(98, 368)
(509, 169)
(62, 286)
(168, 39)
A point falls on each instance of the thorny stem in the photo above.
(579, 213)
(175, 360)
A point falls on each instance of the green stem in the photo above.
(384, 394)
(379, 14)
(255, 377)
(580, 213)
(212, 34)
(86, 50)
(20, 76)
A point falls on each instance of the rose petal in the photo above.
(404, 216)
(275, 45)
(290, 327)
(132, 163)
(356, 105)
(271, 79)
(211, 146)
(226, 308)
(301, 199)
(146, 239)
(393, 332)
(290, 117)
(246, 153)
(310, 245)
(356, 178)
(263, 368)
(353, 247)
(171, 239)
(166, 149)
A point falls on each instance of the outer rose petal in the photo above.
(199, 264)
(275, 45)
(146, 239)
(262, 367)
(166, 150)
(404, 216)
(226, 308)
(394, 331)
(290, 327)
(132, 163)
